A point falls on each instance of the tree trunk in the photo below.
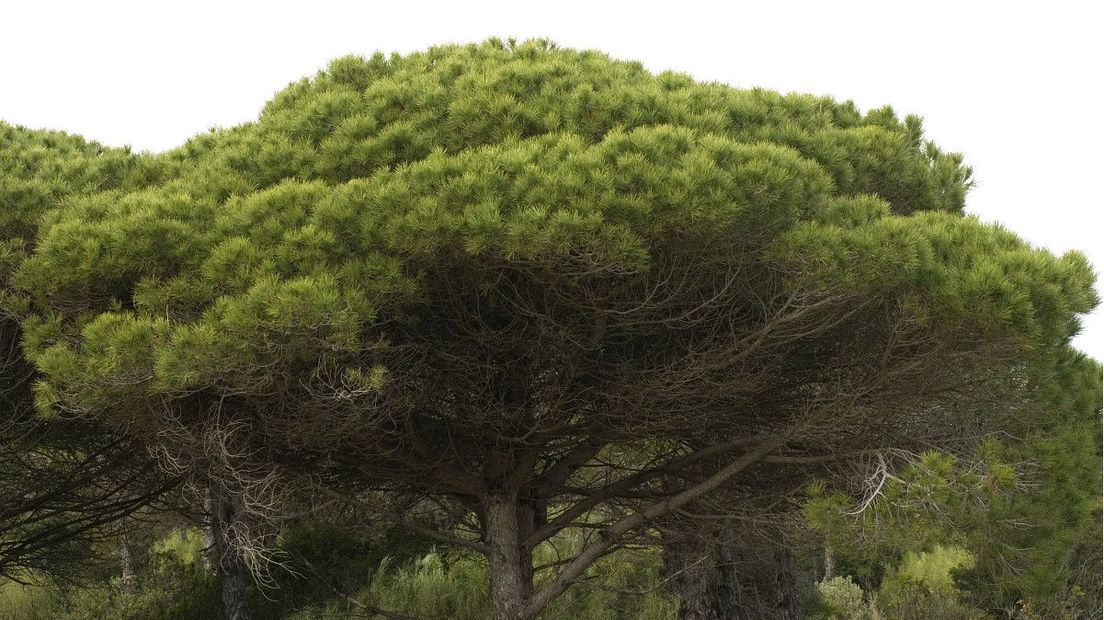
(829, 562)
(718, 576)
(507, 523)
(210, 552)
(232, 571)
(687, 563)
(126, 559)
(724, 588)
(787, 585)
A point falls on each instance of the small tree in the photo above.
(1024, 504)
(544, 283)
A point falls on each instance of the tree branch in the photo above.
(612, 534)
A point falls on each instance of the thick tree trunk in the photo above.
(718, 578)
(507, 523)
(126, 559)
(724, 587)
(787, 585)
(232, 571)
(688, 564)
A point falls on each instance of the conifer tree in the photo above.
(1024, 505)
(542, 282)
(65, 482)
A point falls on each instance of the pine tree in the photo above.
(65, 483)
(542, 282)
(1025, 504)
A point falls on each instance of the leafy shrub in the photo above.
(451, 584)
(923, 586)
(841, 598)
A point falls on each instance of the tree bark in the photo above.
(611, 535)
(687, 563)
(507, 523)
(718, 576)
(829, 562)
(724, 587)
(231, 567)
(129, 583)
(210, 552)
(787, 585)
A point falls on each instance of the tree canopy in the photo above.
(64, 483)
(542, 282)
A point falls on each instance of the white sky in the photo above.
(1015, 86)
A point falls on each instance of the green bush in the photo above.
(841, 598)
(450, 584)
(19, 602)
(923, 586)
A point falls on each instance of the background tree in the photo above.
(65, 482)
(541, 282)
(1023, 505)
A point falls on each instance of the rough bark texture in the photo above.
(718, 578)
(210, 554)
(787, 585)
(687, 563)
(829, 563)
(126, 559)
(724, 591)
(508, 522)
(232, 571)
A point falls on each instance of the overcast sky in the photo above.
(1016, 87)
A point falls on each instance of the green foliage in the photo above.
(282, 245)
(171, 586)
(20, 602)
(960, 271)
(1023, 510)
(923, 586)
(454, 585)
(184, 547)
(177, 594)
(1044, 529)
(426, 588)
(172, 583)
(299, 261)
(841, 598)
(910, 600)
(322, 557)
(933, 569)
(42, 171)
(334, 275)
